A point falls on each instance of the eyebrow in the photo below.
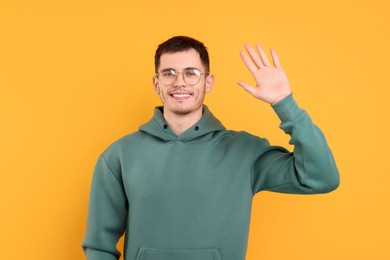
(188, 68)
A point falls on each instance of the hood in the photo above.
(158, 127)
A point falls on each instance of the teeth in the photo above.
(181, 95)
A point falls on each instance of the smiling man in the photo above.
(181, 187)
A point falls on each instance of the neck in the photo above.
(180, 123)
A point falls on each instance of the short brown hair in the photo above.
(179, 44)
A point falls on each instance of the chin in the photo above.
(185, 110)
(182, 111)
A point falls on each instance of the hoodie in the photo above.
(189, 197)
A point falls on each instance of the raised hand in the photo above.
(271, 81)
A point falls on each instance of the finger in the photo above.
(248, 62)
(246, 87)
(263, 56)
(254, 56)
(275, 59)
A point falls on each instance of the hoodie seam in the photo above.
(252, 169)
(112, 172)
(297, 136)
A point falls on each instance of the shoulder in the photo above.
(121, 146)
(246, 139)
(243, 135)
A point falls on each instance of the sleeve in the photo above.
(107, 213)
(310, 169)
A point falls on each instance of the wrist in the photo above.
(287, 109)
(280, 98)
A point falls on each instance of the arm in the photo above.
(311, 167)
(106, 213)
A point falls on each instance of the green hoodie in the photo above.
(189, 197)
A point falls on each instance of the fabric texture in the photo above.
(189, 197)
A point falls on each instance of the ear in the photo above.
(155, 84)
(209, 83)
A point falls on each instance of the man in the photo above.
(182, 186)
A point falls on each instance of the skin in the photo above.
(271, 84)
(181, 113)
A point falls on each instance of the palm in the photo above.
(271, 82)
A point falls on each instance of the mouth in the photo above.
(180, 96)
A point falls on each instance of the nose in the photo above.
(179, 81)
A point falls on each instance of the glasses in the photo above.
(191, 76)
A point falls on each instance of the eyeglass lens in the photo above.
(191, 76)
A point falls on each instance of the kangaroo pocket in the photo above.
(145, 253)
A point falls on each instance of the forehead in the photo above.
(181, 60)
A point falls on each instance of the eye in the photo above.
(192, 73)
(168, 74)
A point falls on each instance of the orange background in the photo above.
(77, 75)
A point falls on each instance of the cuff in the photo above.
(287, 109)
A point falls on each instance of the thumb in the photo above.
(247, 87)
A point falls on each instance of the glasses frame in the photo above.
(182, 75)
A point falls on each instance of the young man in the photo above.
(182, 186)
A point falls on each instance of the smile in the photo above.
(181, 95)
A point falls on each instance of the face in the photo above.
(181, 98)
